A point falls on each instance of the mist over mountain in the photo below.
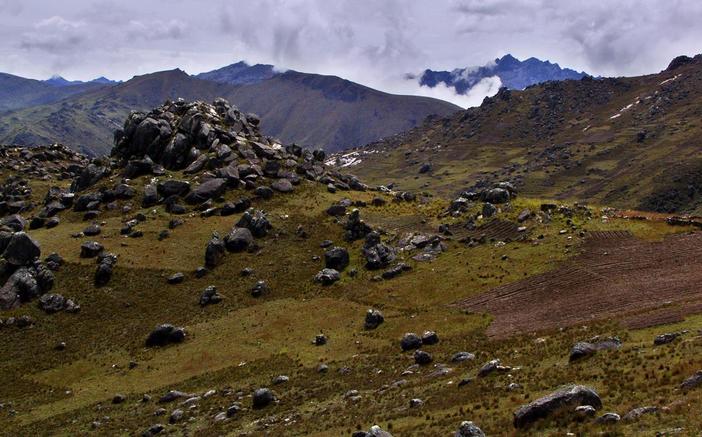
(512, 73)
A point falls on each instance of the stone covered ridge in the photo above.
(178, 134)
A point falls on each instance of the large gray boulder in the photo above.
(496, 196)
(336, 258)
(469, 429)
(693, 381)
(585, 349)
(165, 334)
(207, 190)
(21, 286)
(567, 397)
(238, 239)
(214, 252)
(21, 250)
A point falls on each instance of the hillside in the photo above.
(330, 112)
(227, 284)
(513, 73)
(626, 142)
(312, 110)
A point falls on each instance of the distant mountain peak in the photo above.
(240, 73)
(513, 73)
(59, 81)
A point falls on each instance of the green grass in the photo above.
(243, 342)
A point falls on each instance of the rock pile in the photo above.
(26, 277)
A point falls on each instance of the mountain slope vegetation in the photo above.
(626, 142)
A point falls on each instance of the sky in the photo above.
(373, 42)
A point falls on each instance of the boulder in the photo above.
(585, 349)
(52, 303)
(173, 187)
(210, 189)
(265, 193)
(260, 288)
(21, 286)
(422, 358)
(374, 318)
(176, 278)
(567, 397)
(430, 337)
(636, 413)
(282, 186)
(235, 207)
(150, 196)
(238, 239)
(255, 221)
(210, 296)
(666, 338)
(608, 419)
(165, 334)
(377, 254)
(90, 249)
(14, 222)
(262, 397)
(469, 429)
(327, 276)
(496, 196)
(21, 249)
(410, 341)
(692, 382)
(214, 252)
(336, 258)
(489, 210)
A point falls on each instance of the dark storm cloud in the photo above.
(369, 41)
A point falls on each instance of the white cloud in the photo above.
(362, 40)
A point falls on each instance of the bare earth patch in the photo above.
(616, 277)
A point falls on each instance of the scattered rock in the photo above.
(214, 252)
(165, 334)
(410, 341)
(469, 429)
(422, 358)
(567, 397)
(262, 397)
(176, 278)
(260, 288)
(430, 337)
(327, 276)
(585, 349)
(373, 319)
(210, 296)
(90, 249)
(636, 413)
(692, 382)
(665, 338)
(462, 356)
(608, 419)
(336, 258)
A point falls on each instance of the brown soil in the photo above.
(498, 230)
(616, 277)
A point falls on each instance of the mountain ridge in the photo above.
(513, 73)
(297, 107)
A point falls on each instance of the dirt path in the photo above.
(617, 277)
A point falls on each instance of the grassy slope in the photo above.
(243, 342)
(560, 141)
